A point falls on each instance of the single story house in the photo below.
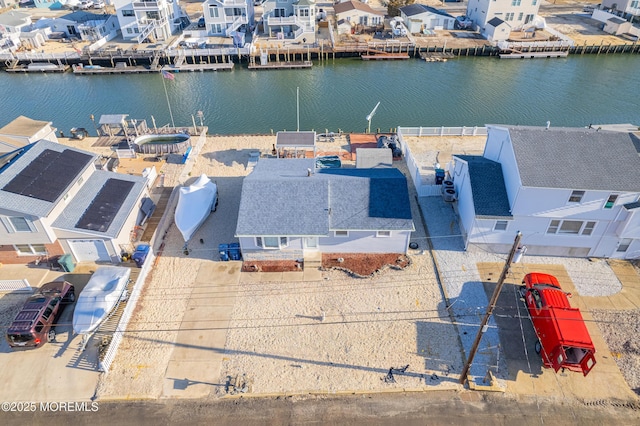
(24, 131)
(358, 15)
(570, 191)
(418, 17)
(289, 210)
(497, 30)
(53, 201)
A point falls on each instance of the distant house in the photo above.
(358, 15)
(497, 30)
(83, 25)
(570, 191)
(617, 26)
(224, 17)
(517, 13)
(149, 20)
(14, 22)
(24, 131)
(288, 211)
(627, 8)
(418, 17)
(291, 20)
(54, 201)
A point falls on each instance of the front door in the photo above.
(311, 243)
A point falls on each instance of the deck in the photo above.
(281, 65)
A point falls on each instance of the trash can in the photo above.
(223, 251)
(66, 263)
(140, 255)
(234, 251)
(439, 176)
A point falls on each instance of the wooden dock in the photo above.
(221, 66)
(280, 65)
(96, 69)
(534, 55)
(436, 56)
(383, 56)
(35, 68)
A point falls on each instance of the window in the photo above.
(501, 225)
(81, 178)
(520, 15)
(21, 224)
(272, 242)
(576, 196)
(129, 31)
(588, 228)
(383, 234)
(341, 233)
(534, 2)
(528, 18)
(611, 201)
(634, 4)
(509, 17)
(39, 327)
(570, 227)
(216, 28)
(214, 12)
(553, 227)
(30, 249)
(516, 2)
(128, 13)
(624, 245)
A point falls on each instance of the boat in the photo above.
(195, 202)
(105, 289)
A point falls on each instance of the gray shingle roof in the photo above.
(28, 205)
(495, 22)
(417, 9)
(576, 158)
(77, 206)
(487, 186)
(278, 198)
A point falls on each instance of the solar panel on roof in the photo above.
(48, 175)
(105, 205)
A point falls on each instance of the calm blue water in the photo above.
(575, 91)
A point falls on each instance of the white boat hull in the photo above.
(195, 203)
(102, 293)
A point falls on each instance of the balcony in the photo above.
(149, 5)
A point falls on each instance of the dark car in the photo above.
(201, 23)
(34, 324)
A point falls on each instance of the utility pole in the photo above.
(490, 307)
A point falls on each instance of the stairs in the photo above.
(312, 260)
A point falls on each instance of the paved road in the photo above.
(466, 408)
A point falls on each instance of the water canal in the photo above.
(574, 91)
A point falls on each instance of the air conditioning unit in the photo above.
(449, 195)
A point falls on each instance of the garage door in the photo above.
(89, 251)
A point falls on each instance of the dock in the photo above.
(40, 68)
(534, 55)
(280, 65)
(96, 69)
(383, 56)
(436, 56)
(220, 66)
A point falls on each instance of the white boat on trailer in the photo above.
(106, 288)
(195, 203)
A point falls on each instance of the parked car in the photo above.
(98, 4)
(34, 324)
(563, 339)
(86, 4)
(201, 23)
(463, 23)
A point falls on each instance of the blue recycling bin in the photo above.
(223, 251)
(234, 251)
(140, 255)
(439, 176)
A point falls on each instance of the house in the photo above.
(358, 15)
(570, 191)
(626, 8)
(288, 211)
(291, 20)
(54, 201)
(224, 17)
(50, 4)
(517, 13)
(617, 26)
(418, 17)
(83, 25)
(497, 30)
(149, 20)
(24, 131)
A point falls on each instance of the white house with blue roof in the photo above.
(570, 191)
(289, 210)
(419, 17)
(54, 201)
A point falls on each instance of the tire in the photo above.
(538, 347)
(51, 335)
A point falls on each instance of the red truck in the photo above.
(563, 339)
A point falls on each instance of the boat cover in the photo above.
(98, 298)
(195, 202)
